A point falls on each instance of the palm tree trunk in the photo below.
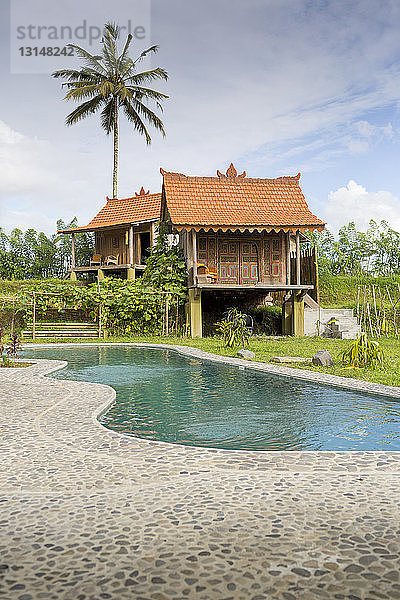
(115, 170)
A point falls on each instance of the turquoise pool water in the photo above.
(164, 396)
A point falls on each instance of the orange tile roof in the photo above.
(122, 211)
(236, 201)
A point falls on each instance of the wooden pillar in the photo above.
(138, 249)
(288, 275)
(130, 242)
(73, 264)
(194, 242)
(189, 259)
(153, 234)
(298, 257)
(195, 313)
(298, 314)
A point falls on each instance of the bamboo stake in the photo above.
(362, 323)
(382, 308)
(100, 317)
(394, 312)
(376, 313)
(369, 319)
(358, 304)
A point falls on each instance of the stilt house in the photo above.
(240, 235)
(124, 229)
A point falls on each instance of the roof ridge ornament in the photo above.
(142, 193)
(285, 178)
(231, 173)
(171, 173)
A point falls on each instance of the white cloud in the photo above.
(11, 219)
(355, 203)
(41, 182)
(22, 161)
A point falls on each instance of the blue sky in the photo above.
(276, 86)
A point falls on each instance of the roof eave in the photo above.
(251, 228)
(106, 227)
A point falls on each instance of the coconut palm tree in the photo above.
(110, 83)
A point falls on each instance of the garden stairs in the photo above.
(62, 330)
(337, 323)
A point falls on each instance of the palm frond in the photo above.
(147, 93)
(70, 74)
(110, 51)
(124, 59)
(112, 29)
(153, 49)
(91, 60)
(83, 110)
(133, 116)
(145, 76)
(107, 116)
(148, 114)
(83, 91)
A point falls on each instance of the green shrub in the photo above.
(267, 320)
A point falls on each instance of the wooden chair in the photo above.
(112, 260)
(96, 260)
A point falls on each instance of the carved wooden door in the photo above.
(249, 261)
(228, 261)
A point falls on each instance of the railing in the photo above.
(308, 270)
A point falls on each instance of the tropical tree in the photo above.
(111, 82)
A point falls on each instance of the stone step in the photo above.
(350, 334)
(338, 313)
(340, 326)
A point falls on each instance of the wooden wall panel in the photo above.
(244, 258)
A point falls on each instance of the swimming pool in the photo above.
(164, 396)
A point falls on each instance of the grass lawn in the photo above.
(265, 347)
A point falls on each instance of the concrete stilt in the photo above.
(73, 276)
(298, 314)
(100, 274)
(287, 317)
(130, 274)
(195, 313)
(293, 315)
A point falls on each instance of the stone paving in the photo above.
(87, 513)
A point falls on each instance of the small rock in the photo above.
(288, 359)
(322, 358)
(247, 354)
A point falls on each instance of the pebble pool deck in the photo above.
(87, 513)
